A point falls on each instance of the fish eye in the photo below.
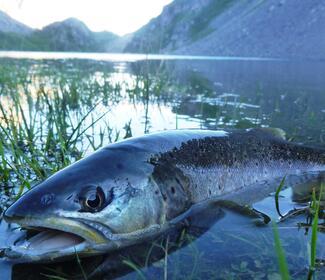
(92, 199)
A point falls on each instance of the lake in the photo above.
(59, 107)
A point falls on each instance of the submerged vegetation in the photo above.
(52, 113)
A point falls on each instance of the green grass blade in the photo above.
(314, 231)
(284, 272)
(277, 206)
(135, 268)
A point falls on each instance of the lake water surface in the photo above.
(131, 95)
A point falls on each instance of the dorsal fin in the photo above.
(276, 132)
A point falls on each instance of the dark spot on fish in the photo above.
(172, 189)
(209, 192)
(156, 192)
(119, 166)
(171, 155)
(178, 181)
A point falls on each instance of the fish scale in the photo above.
(220, 165)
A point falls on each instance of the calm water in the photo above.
(137, 94)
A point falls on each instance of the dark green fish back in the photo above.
(212, 166)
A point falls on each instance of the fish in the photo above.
(138, 188)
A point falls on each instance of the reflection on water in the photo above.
(118, 56)
(168, 94)
(124, 95)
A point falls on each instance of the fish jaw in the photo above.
(58, 238)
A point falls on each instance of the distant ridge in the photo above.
(68, 35)
(73, 35)
(8, 24)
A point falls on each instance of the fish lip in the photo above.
(92, 232)
(89, 231)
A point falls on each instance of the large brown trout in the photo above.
(135, 189)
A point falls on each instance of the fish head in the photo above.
(85, 209)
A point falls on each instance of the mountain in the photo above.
(273, 28)
(71, 35)
(176, 25)
(251, 28)
(9, 25)
(68, 35)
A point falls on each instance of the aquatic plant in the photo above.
(315, 209)
(283, 266)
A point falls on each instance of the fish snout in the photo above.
(12, 214)
(29, 206)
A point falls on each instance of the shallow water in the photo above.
(151, 93)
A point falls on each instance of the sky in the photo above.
(118, 16)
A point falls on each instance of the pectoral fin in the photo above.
(259, 218)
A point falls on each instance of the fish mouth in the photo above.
(51, 238)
